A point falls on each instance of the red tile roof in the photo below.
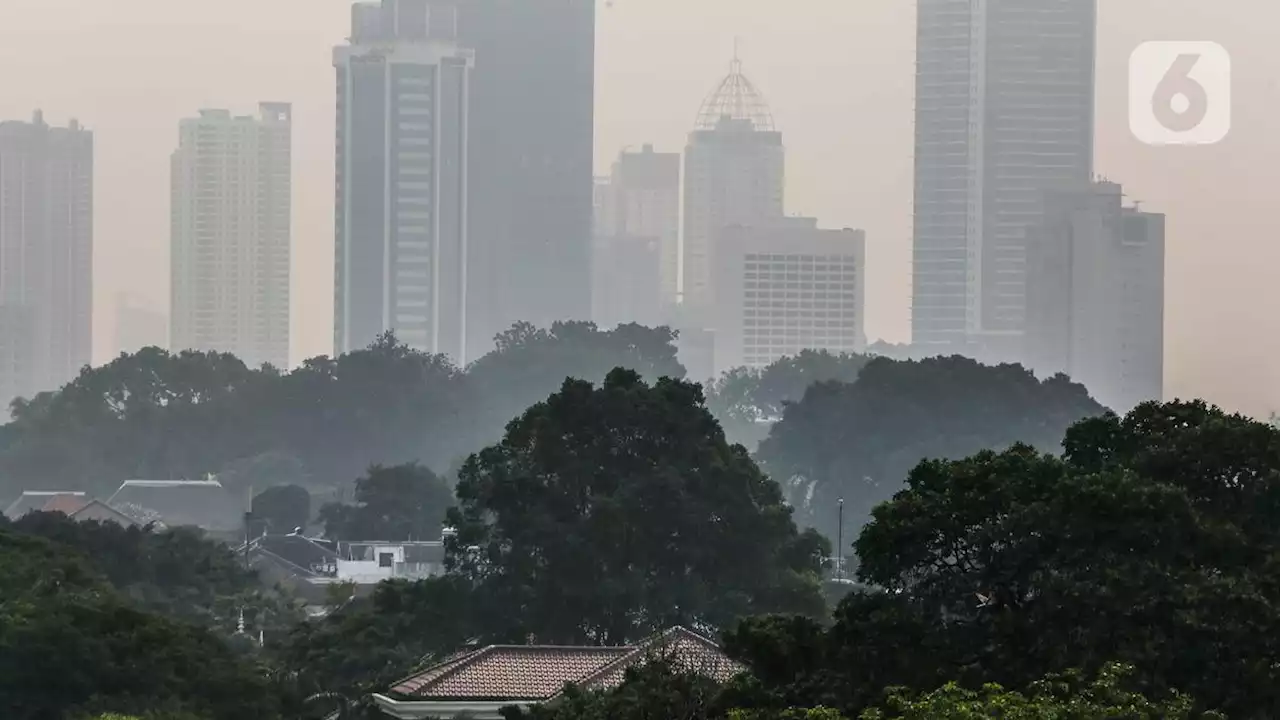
(65, 504)
(540, 672)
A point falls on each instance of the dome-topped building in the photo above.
(735, 98)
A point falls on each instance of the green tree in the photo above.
(858, 441)
(609, 513)
(746, 401)
(405, 502)
(1063, 697)
(1152, 542)
(283, 508)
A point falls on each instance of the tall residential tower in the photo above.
(230, 234)
(402, 163)
(46, 255)
(1004, 112)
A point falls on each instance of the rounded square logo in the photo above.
(1180, 93)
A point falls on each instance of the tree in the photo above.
(405, 502)
(858, 441)
(529, 363)
(283, 508)
(609, 513)
(1152, 542)
(1063, 697)
(746, 401)
(69, 644)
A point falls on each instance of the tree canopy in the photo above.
(608, 513)
(405, 502)
(858, 441)
(1151, 542)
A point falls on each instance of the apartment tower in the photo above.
(46, 255)
(1004, 112)
(402, 162)
(230, 234)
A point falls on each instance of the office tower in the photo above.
(733, 176)
(626, 281)
(1095, 295)
(1004, 112)
(786, 286)
(138, 326)
(46, 255)
(230, 232)
(645, 202)
(531, 161)
(401, 221)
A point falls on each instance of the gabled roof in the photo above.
(36, 500)
(66, 504)
(110, 513)
(537, 673)
(201, 503)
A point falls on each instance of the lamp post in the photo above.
(840, 539)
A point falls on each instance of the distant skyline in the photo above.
(839, 82)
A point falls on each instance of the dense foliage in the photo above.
(405, 502)
(70, 644)
(156, 414)
(858, 441)
(609, 513)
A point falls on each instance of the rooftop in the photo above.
(735, 99)
(40, 500)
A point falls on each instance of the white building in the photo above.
(784, 287)
(230, 234)
(1095, 299)
(1004, 112)
(734, 173)
(401, 223)
(46, 256)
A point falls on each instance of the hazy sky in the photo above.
(837, 74)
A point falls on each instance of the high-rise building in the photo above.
(46, 255)
(1004, 112)
(230, 214)
(531, 162)
(1095, 295)
(734, 171)
(786, 286)
(644, 201)
(402, 162)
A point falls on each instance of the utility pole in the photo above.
(840, 539)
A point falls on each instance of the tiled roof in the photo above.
(35, 500)
(65, 504)
(540, 672)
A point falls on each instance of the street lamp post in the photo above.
(840, 539)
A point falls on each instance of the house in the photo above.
(171, 503)
(72, 504)
(478, 683)
(310, 566)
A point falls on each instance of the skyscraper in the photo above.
(734, 171)
(1095, 295)
(231, 189)
(784, 286)
(46, 255)
(644, 201)
(531, 161)
(402, 162)
(1004, 112)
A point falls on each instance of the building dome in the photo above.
(736, 98)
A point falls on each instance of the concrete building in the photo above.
(1095, 299)
(644, 202)
(531, 162)
(734, 172)
(1004, 112)
(787, 286)
(626, 281)
(230, 234)
(402, 205)
(46, 255)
